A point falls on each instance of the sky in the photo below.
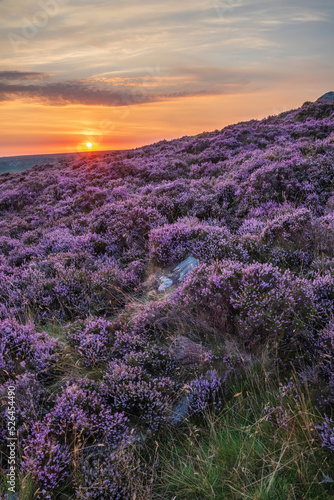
(120, 74)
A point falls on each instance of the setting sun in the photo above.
(89, 145)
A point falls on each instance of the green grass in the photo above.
(243, 454)
(25, 485)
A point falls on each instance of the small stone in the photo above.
(188, 352)
(138, 438)
(166, 283)
(329, 207)
(180, 411)
(186, 266)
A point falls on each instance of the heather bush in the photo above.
(251, 226)
(153, 360)
(127, 341)
(270, 303)
(92, 338)
(78, 418)
(29, 395)
(256, 302)
(140, 395)
(327, 433)
(207, 393)
(154, 320)
(111, 285)
(120, 473)
(323, 230)
(290, 227)
(98, 340)
(45, 459)
(323, 357)
(24, 289)
(78, 292)
(323, 289)
(80, 413)
(22, 348)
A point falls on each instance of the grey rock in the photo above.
(166, 283)
(180, 411)
(185, 267)
(329, 96)
(177, 274)
(188, 352)
(329, 208)
(137, 439)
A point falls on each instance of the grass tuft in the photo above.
(263, 446)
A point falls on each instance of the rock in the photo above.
(178, 273)
(180, 411)
(166, 283)
(184, 267)
(329, 207)
(188, 352)
(137, 439)
(329, 96)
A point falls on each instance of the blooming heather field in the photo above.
(222, 385)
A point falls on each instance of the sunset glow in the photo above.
(89, 145)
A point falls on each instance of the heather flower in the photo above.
(327, 433)
(22, 347)
(115, 473)
(80, 410)
(208, 393)
(175, 242)
(93, 340)
(30, 400)
(141, 396)
(45, 459)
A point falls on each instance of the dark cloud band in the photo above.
(22, 75)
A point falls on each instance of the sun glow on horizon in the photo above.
(89, 145)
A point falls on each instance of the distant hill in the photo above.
(19, 163)
(24, 162)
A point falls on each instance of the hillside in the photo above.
(137, 379)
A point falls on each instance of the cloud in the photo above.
(113, 89)
(22, 75)
(310, 17)
(62, 94)
(101, 52)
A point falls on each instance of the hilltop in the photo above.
(166, 316)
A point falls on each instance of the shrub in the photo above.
(257, 302)
(80, 412)
(131, 389)
(170, 244)
(45, 459)
(207, 393)
(23, 348)
(327, 433)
